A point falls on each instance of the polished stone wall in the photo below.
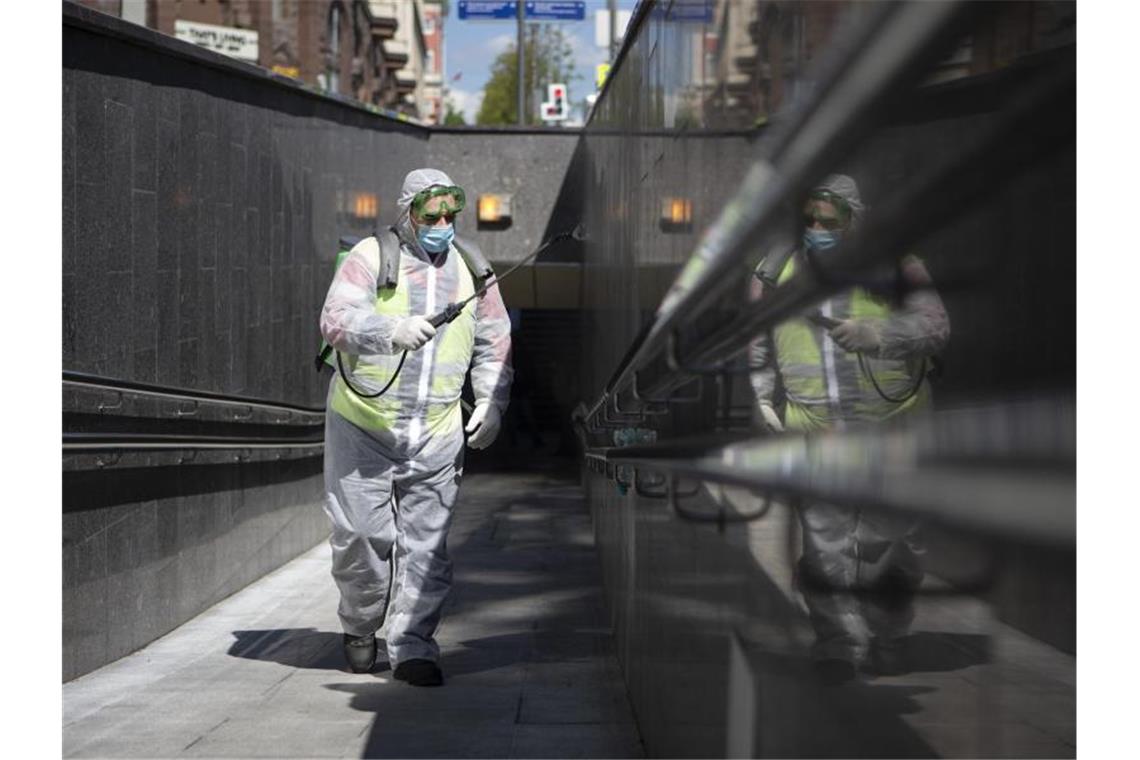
(529, 165)
(203, 200)
(712, 634)
(146, 549)
(202, 203)
(201, 214)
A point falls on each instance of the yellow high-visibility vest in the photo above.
(825, 384)
(452, 349)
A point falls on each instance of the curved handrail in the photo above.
(185, 394)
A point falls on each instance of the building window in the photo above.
(429, 25)
(430, 67)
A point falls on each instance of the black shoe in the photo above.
(419, 673)
(833, 672)
(360, 651)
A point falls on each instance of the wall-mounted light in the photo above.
(677, 210)
(365, 205)
(494, 210)
(676, 214)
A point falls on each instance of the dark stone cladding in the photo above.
(202, 201)
(681, 595)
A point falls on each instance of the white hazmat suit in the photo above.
(393, 464)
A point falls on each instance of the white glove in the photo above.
(484, 425)
(766, 418)
(412, 332)
(860, 335)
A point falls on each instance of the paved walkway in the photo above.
(527, 655)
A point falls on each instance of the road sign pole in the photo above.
(521, 70)
(613, 30)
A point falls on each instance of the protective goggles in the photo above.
(841, 206)
(448, 210)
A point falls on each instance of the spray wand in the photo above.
(453, 310)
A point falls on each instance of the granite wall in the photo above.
(709, 622)
(202, 203)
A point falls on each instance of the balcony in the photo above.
(405, 82)
(744, 55)
(395, 53)
(384, 18)
(738, 82)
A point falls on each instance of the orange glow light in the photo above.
(677, 210)
(365, 206)
(490, 208)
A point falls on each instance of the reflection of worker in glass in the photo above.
(859, 360)
(393, 463)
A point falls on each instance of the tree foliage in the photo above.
(453, 117)
(548, 58)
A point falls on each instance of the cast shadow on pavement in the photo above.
(933, 652)
(296, 647)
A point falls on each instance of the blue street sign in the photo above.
(556, 10)
(488, 10)
(535, 10)
(687, 11)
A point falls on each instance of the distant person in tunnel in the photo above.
(860, 360)
(393, 463)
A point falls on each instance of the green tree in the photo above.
(452, 118)
(549, 58)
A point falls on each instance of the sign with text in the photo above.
(555, 10)
(227, 40)
(688, 11)
(488, 10)
(535, 10)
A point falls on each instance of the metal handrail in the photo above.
(889, 52)
(924, 468)
(184, 394)
(948, 191)
(78, 442)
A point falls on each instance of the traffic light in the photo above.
(557, 106)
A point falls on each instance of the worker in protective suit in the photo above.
(859, 569)
(393, 463)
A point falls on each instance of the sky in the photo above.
(470, 47)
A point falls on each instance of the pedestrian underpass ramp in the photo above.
(527, 655)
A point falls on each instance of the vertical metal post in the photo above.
(613, 30)
(521, 71)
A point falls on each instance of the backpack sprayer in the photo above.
(452, 311)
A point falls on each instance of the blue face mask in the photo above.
(820, 240)
(435, 239)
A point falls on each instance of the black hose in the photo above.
(909, 395)
(382, 391)
(448, 315)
